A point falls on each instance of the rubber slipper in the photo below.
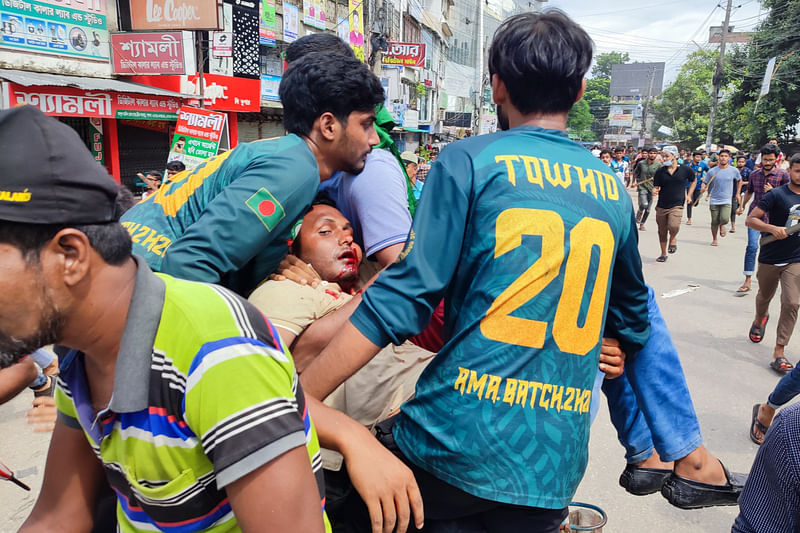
(781, 365)
(758, 425)
(672, 248)
(743, 288)
(757, 332)
(714, 244)
(733, 230)
(722, 231)
(661, 258)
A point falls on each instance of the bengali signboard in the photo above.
(175, 14)
(147, 53)
(405, 54)
(269, 87)
(197, 136)
(289, 23)
(69, 102)
(47, 27)
(222, 93)
(356, 25)
(266, 26)
(314, 14)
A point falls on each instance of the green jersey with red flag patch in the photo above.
(227, 221)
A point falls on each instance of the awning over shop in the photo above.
(75, 96)
(28, 79)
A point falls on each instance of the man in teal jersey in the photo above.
(536, 236)
(227, 220)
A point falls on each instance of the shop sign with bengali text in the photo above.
(147, 53)
(69, 102)
(175, 14)
(405, 54)
(50, 28)
(266, 24)
(269, 87)
(197, 136)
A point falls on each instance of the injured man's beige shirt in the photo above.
(376, 390)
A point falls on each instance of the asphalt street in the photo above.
(726, 373)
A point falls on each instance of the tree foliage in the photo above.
(579, 121)
(779, 111)
(603, 63)
(686, 104)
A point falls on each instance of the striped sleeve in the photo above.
(240, 399)
(65, 406)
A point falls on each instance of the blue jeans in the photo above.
(786, 389)
(650, 403)
(753, 235)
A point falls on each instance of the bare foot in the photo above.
(714, 243)
(765, 416)
(722, 231)
(689, 222)
(701, 466)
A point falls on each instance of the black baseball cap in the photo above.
(48, 176)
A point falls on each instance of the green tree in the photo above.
(779, 111)
(603, 63)
(596, 96)
(685, 105)
(579, 121)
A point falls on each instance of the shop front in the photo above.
(125, 125)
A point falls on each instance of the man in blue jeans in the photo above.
(762, 181)
(651, 408)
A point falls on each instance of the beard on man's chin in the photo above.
(502, 118)
(13, 349)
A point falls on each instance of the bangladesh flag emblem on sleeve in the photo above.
(266, 207)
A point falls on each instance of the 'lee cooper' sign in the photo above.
(405, 54)
(175, 14)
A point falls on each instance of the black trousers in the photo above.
(447, 508)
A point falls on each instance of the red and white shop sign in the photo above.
(69, 102)
(222, 93)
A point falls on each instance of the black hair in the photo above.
(605, 151)
(724, 151)
(697, 152)
(156, 173)
(542, 59)
(741, 156)
(619, 149)
(326, 83)
(794, 160)
(317, 42)
(768, 149)
(110, 240)
(650, 148)
(176, 165)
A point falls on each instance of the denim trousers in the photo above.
(786, 389)
(753, 235)
(650, 404)
(645, 204)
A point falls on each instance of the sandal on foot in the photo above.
(757, 332)
(743, 288)
(754, 423)
(661, 258)
(672, 248)
(722, 231)
(781, 365)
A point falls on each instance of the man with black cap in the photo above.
(144, 385)
(228, 220)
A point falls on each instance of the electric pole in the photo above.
(643, 131)
(717, 79)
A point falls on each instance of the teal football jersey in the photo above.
(227, 221)
(527, 237)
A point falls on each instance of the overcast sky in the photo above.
(657, 31)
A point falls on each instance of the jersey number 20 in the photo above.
(569, 336)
